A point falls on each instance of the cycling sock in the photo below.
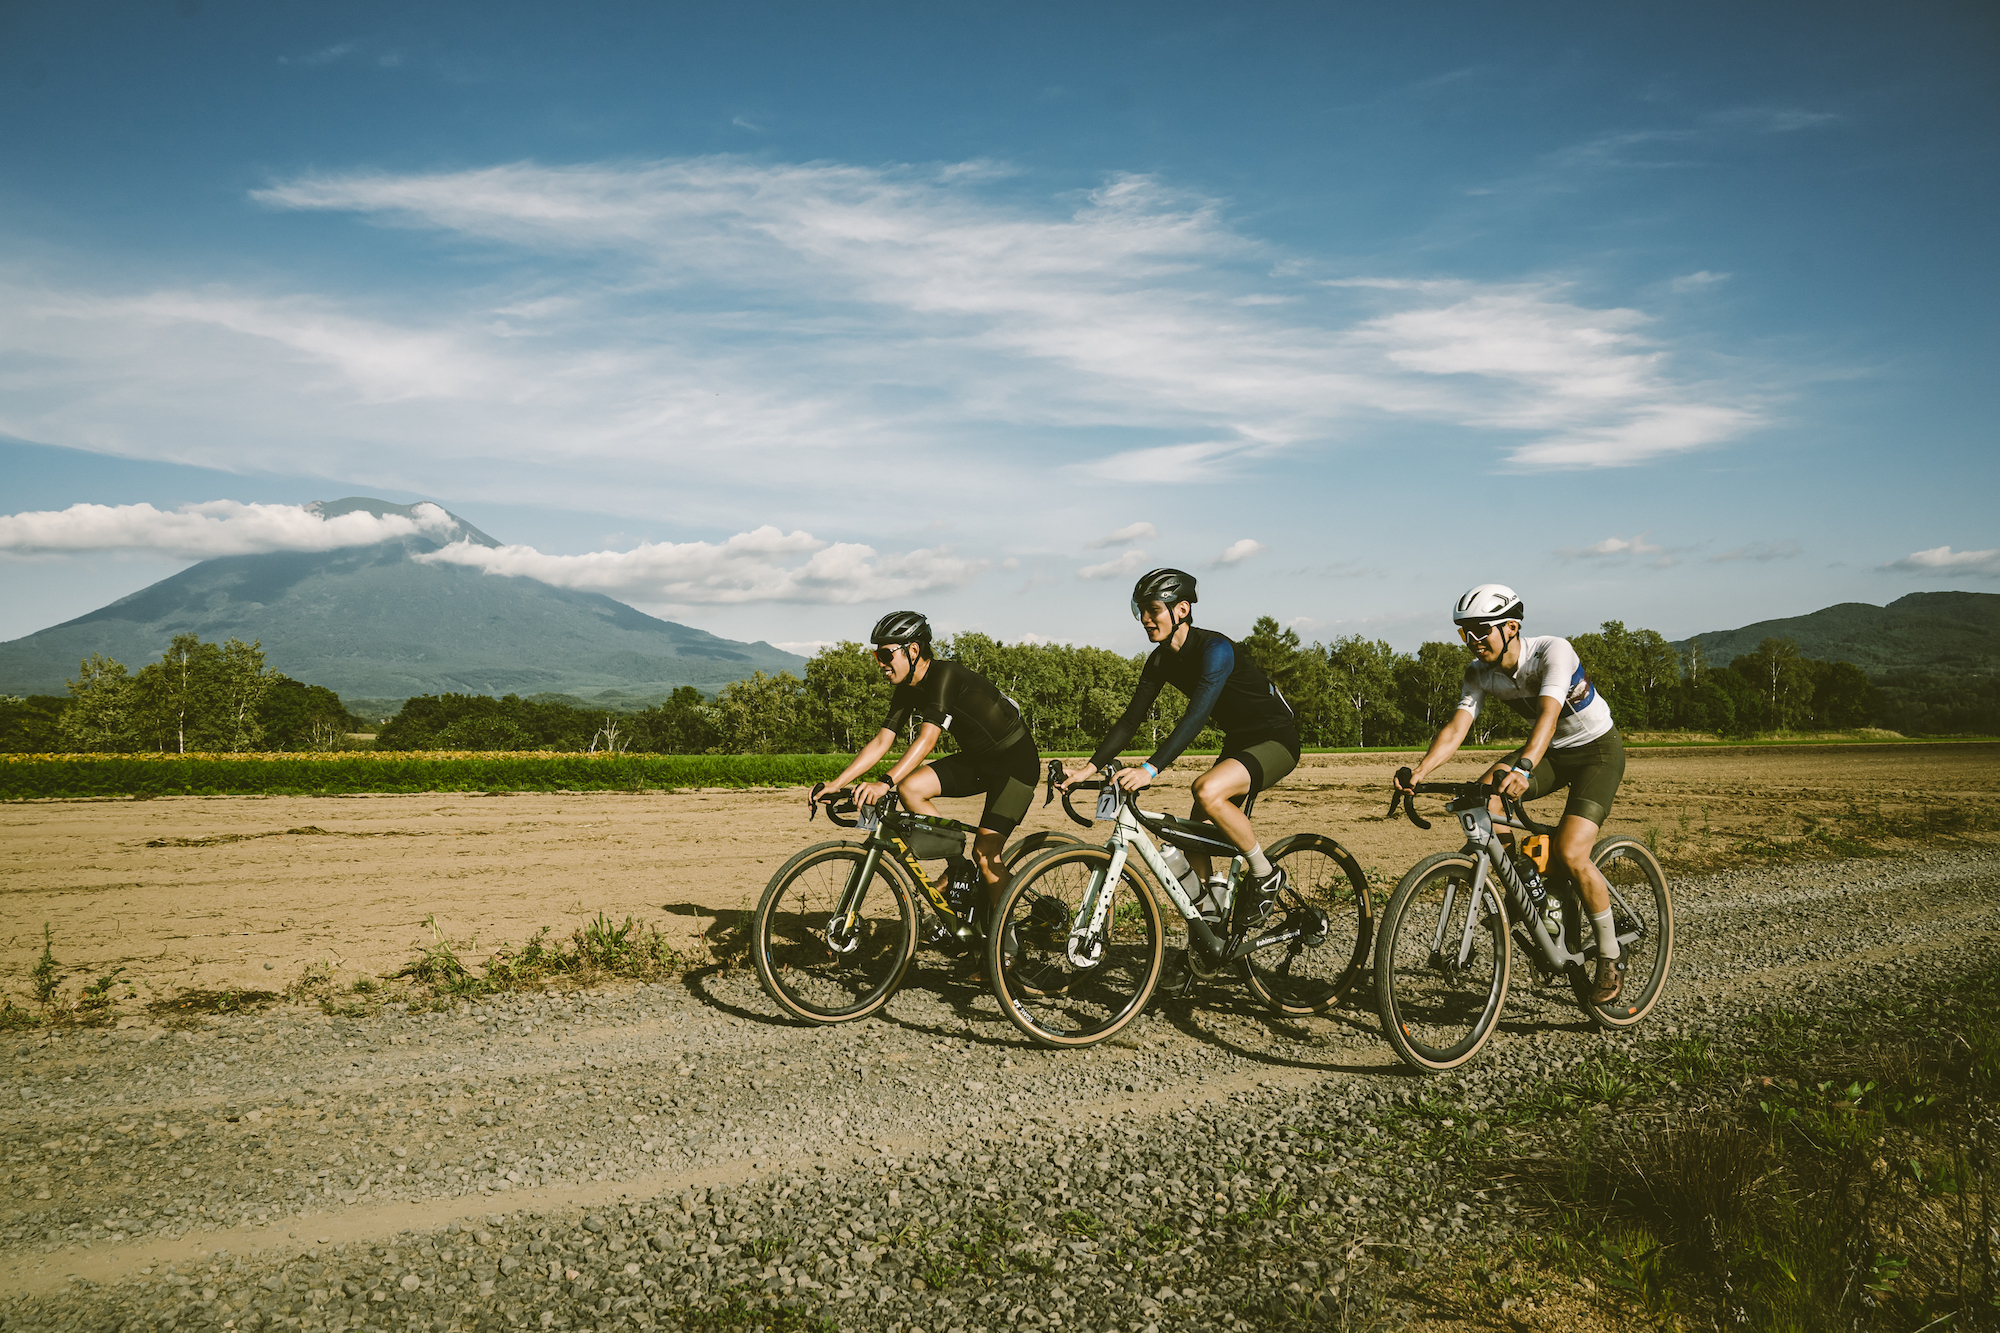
(1607, 934)
(1260, 864)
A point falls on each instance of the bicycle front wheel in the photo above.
(1326, 893)
(1441, 964)
(820, 962)
(1061, 987)
(1642, 911)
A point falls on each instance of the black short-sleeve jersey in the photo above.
(961, 701)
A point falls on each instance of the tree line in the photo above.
(197, 697)
(1354, 691)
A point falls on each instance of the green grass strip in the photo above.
(30, 777)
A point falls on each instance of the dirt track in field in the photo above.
(248, 892)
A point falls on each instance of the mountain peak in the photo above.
(364, 504)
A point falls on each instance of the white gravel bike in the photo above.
(1445, 955)
(1082, 943)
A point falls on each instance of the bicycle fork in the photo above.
(843, 934)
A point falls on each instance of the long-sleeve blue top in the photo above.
(1222, 683)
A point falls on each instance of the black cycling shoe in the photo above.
(1176, 978)
(1259, 900)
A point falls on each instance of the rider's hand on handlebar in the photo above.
(1075, 771)
(868, 793)
(1135, 778)
(1404, 781)
(1514, 785)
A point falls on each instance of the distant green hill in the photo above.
(371, 622)
(1925, 631)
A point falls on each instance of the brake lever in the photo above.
(812, 805)
(1055, 776)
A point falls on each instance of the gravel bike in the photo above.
(1445, 955)
(839, 923)
(1081, 943)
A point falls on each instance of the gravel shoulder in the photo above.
(640, 1155)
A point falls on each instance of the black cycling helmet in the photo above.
(1162, 585)
(901, 627)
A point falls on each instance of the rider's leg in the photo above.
(1575, 836)
(919, 790)
(987, 847)
(1212, 793)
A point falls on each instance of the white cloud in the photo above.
(721, 339)
(1942, 559)
(1239, 551)
(1123, 564)
(1613, 549)
(204, 531)
(1761, 552)
(765, 565)
(1694, 282)
(1131, 532)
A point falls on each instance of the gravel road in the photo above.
(616, 1159)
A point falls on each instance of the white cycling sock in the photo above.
(1607, 934)
(1260, 864)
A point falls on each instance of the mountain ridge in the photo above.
(373, 621)
(1921, 631)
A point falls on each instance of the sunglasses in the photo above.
(886, 653)
(1479, 633)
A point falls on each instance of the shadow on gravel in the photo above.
(1185, 1015)
(696, 979)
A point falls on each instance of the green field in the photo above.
(28, 777)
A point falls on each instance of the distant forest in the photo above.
(1352, 692)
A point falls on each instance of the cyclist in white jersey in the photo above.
(1572, 743)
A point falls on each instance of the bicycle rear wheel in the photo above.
(1053, 997)
(1439, 988)
(1643, 912)
(1311, 973)
(813, 962)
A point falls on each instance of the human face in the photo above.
(1157, 619)
(1489, 641)
(897, 660)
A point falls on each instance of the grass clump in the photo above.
(1839, 1175)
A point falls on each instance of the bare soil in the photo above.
(246, 893)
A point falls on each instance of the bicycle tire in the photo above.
(1041, 990)
(1030, 845)
(1311, 974)
(1639, 896)
(802, 973)
(1435, 1017)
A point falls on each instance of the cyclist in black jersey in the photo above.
(996, 755)
(1260, 737)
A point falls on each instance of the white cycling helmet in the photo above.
(1487, 603)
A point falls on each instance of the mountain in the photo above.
(1925, 631)
(372, 622)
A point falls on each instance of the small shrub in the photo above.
(46, 975)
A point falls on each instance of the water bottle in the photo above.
(961, 880)
(1531, 880)
(1178, 863)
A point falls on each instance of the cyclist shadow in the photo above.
(962, 999)
(1185, 1016)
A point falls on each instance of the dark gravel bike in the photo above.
(840, 922)
(1444, 957)
(1082, 942)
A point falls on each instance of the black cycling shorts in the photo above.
(1591, 771)
(1008, 778)
(1267, 757)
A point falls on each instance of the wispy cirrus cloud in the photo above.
(1131, 532)
(687, 334)
(1619, 550)
(1759, 552)
(1129, 562)
(1944, 560)
(204, 531)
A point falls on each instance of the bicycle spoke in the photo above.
(1066, 990)
(1441, 965)
(1327, 898)
(1642, 912)
(827, 947)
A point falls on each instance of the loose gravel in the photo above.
(676, 1154)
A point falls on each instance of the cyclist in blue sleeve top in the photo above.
(1260, 742)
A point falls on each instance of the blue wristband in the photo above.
(1151, 772)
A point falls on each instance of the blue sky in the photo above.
(768, 318)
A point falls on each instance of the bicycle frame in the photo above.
(1489, 855)
(880, 823)
(1129, 834)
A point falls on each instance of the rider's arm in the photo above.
(1445, 744)
(1127, 726)
(913, 758)
(1544, 731)
(1218, 659)
(870, 755)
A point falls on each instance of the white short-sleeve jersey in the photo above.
(1549, 669)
